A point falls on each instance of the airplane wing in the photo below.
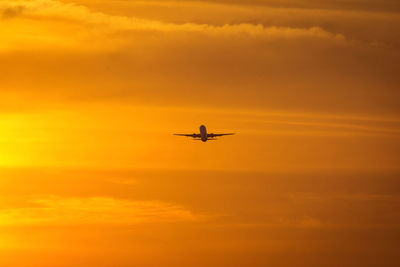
(190, 135)
(211, 135)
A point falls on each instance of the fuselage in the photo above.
(203, 133)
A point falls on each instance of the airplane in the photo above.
(203, 135)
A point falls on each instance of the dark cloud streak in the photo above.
(11, 12)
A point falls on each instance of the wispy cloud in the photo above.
(123, 181)
(11, 12)
(93, 210)
(53, 9)
(80, 26)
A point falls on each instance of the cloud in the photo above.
(78, 26)
(11, 12)
(369, 25)
(279, 58)
(388, 5)
(93, 210)
(123, 181)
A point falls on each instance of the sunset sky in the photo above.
(91, 92)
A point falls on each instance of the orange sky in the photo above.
(92, 90)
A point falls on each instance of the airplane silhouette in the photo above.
(203, 135)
